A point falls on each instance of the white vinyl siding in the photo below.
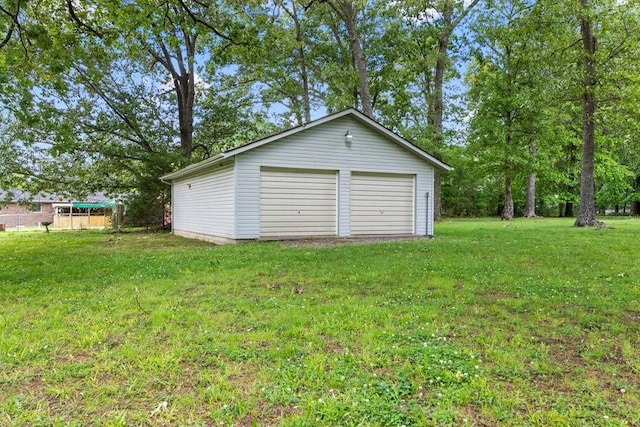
(204, 203)
(296, 203)
(344, 196)
(382, 204)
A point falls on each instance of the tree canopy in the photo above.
(532, 101)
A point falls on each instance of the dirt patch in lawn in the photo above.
(268, 415)
(343, 241)
(470, 415)
(631, 317)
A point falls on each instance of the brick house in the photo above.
(19, 213)
(24, 211)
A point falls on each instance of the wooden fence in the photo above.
(82, 221)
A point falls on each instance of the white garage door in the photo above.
(381, 203)
(296, 202)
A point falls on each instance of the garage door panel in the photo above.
(316, 185)
(307, 215)
(310, 202)
(382, 204)
(300, 193)
(388, 214)
(405, 210)
(385, 182)
(297, 203)
(366, 200)
(388, 221)
(383, 179)
(317, 220)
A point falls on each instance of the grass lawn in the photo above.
(530, 322)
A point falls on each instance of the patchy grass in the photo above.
(491, 323)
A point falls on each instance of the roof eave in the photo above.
(194, 168)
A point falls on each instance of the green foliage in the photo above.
(525, 87)
(134, 328)
(508, 95)
(108, 103)
(147, 208)
(616, 182)
(227, 121)
(468, 190)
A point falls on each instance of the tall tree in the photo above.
(609, 51)
(347, 11)
(506, 91)
(114, 88)
(587, 210)
(437, 21)
(280, 63)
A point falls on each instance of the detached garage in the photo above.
(340, 176)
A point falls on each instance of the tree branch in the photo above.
(201, 21)
(15, 24)
(114, 107)
(8, 36)
(464, 13)
(81, 23)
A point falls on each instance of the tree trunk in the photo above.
(306, 97)
(436, 109)
(568, 210)
(587, 210)
(507, 211)
(347, 11)
(304, 72)
(180, 65)
(437, 195)
(530, 205)
(635, 205)
(186, 95)
(435, 114)
(438, 100)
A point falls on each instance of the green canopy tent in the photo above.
(95, 205)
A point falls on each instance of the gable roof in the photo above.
(367, 121)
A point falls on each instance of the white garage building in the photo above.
(344, 175)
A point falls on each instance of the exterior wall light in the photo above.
(348, 137)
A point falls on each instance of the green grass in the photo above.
(530, 322)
